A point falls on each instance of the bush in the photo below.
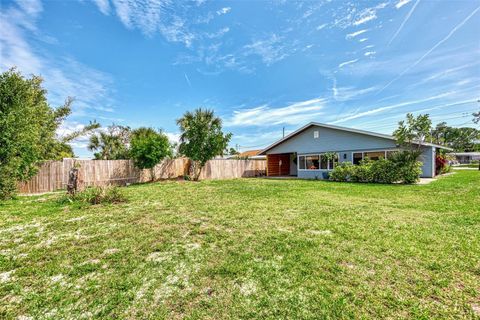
(384, 171)
(441, 163)
(342, 172)
(402, 167)
(97, 195)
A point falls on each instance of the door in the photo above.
(278, 164)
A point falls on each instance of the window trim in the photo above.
(366, 151)
(330, 165)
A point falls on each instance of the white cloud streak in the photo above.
(294, 114)
(401, 3)
(451, 33)
(388, 108)
(409, 14)
(354, 34)
(346, 63)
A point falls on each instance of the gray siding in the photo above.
(331, 140)
(428, 160)
(345, 143)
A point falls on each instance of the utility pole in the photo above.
(283, 132)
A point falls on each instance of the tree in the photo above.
(412, 133)
(111, 144)
(476, 117)
(232, 152)
(460, 139)
(148, 147)
(201, 138)
(28, 127)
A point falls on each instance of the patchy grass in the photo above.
(249, 248)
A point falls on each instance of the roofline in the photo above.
(330, 126)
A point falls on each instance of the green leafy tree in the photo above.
(232, 152)
(476, 116)
(148, 147)
(28, 129)
(413, 132)
(111, 144)
(459, 139)
(201, 138)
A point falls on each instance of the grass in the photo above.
(248, 248)
(466, 165)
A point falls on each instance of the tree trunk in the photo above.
(195, 170)
(72, 186)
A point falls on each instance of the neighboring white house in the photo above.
(302, 153)
(466, 157)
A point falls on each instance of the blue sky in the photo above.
(261, 65)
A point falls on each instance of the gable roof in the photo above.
(330, 126)
(249, 153)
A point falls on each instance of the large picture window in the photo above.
(312, 162)
(372, 155)
(301, 162)
(317, 162)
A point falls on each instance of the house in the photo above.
(249, 154)
(466, 157)
(306, 152)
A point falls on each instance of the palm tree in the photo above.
(111, 144)
(201, 138)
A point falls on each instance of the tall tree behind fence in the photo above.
(53, 175)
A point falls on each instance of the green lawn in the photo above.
(248, 248)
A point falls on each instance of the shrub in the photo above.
(384, 171)
(97, 195)
(441, 163)
(401, 167)
(342, 172)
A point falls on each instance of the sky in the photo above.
(262, 66)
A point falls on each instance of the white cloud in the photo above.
(295, 113)
(103, 6)
(404, 21)
(349, 93)
(270, 50)
(388, 108)
(320, 27)
(346, 63)
(401, 3)
(451, 33)
(365, 16)
(363, 40)
(354, 34)
(63, 76)
(369, 53)
(224, 10)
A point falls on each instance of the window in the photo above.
(316, 134)
(312, 162)
(334, 162)
(374, 155)
(357, 157)
(301, 162)
(324, 163)
(317, 162)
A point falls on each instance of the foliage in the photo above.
(342, 172)
(476, 117)
(28, 129)
(412, 133)
(96, 195)
(441, 164)
(232, 152)
(148, 147)
(400, 167)
(111, 144)
(201, 138)
(462, 139)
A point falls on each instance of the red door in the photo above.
(278, 164)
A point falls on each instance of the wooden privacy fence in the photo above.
(53, 175)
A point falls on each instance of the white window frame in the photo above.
(316, 134)
(366, 151)
(329, 163)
